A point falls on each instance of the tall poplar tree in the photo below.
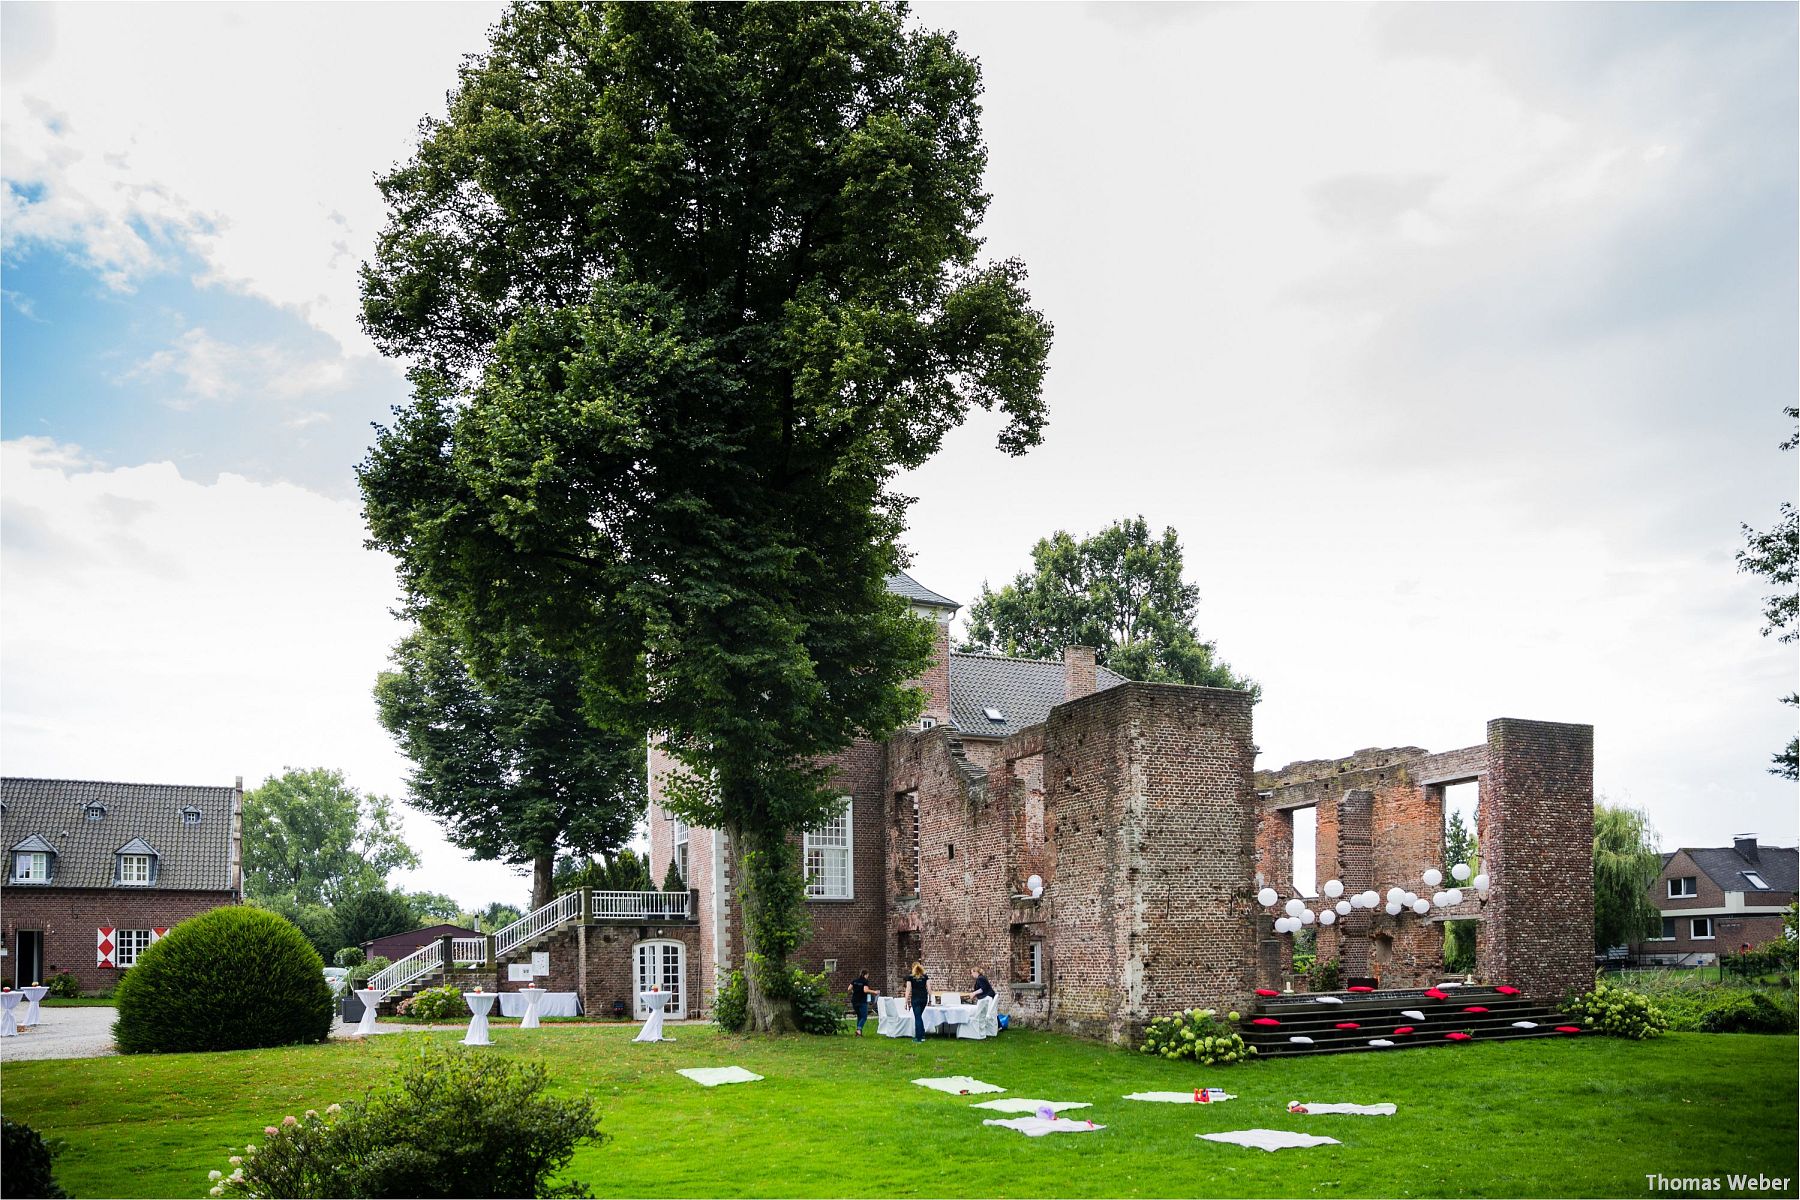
(684, 288)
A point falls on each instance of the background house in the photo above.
(95, 871)
(396, 946)
(1714, 900)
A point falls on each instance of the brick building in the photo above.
(1715, 900)
(97, 871)
(1138, 810)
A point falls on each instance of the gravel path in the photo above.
(63, 1033)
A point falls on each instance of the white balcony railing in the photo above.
(651, 906)
(469, 950)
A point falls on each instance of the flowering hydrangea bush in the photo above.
(1197, 1034)
(1619, 1013)
(434, 1004)
(452, 1124)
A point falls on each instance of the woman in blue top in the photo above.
(918, 984)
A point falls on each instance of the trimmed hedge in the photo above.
(25, 1163)
(236, 978)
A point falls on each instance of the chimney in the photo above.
(1078, 672)
(1745, 845)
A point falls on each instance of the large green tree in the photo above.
(313, 839)
(509, 764)
(684, 288)
(1119, 591)
(1627, 860)
(1773, 555)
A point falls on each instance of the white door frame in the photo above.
(665, 969)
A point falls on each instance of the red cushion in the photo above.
(1568, 1029)
(1474, 1008)
(1360, 988)
(1348, 1025)
(1404, 1029)
(1457, 1037)
(1507, 991)
(1437, 995)
(1265, 1021)
(1267, 992)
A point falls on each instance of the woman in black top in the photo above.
(983, 988)
(860, 991)
(918, 983)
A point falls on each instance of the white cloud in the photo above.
(205, 368)
(160, 630)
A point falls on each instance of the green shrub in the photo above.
(1619, 1013)
(1198, 1034)
(358, 976)
(817, 1008)
(235, 978)
(64, 986)
(452, 1124)
(435, 1004)
(25, 1163)
(349, 956)
(1748, 1012)
(1325, 976)
(731, 1003)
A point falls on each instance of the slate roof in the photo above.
(189, 857)
(1021, 690)
(1726, 867)
(902, 584)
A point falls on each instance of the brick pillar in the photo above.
(1078, 672)
(1356, 868)
(1537, 835)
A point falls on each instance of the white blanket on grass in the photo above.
(1016, 1105)
(1038, 1127)
(1355, 1110)
(714, 1076)
(958, 1085)
(1181, 1097)
(1269, 1139)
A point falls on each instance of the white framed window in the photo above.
(826, 853)
(31, 867)
(132, 942)
(927, 722)
(134, 868)
(1683, 888)
(679, 834)
(1701, 928)
(918, 849)
(1037, 963)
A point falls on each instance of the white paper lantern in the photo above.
(1421, 906)
(1393, 908)
(1307, 916)
(1266, 897)
(1432, 877)
(1481, 882)
(1280, 924)
(1035, 885)
(1408, 899)
(1295, 907)
(1334, 888)
(1460, 872)
(1371, 898)
(1328, 917)
(1342, 908)
(1439, 899)
(1454, 896)
(1394, 894)
(1290, 924)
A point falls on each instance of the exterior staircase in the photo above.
(1377, 1015)
(433, 962)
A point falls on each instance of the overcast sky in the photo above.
(1452, 339)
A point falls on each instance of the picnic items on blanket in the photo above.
(714, 1076)
(1383, 1043)
(1269, 1139)
(1038, 1127)
(958, 1085)
(1412, 1014)
(1018, 1104)
(1358, 1110)
(1213, 1096)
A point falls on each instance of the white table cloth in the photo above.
(554, 1004)
(939, 1015)
(533, 997)
(480, 1004)
(653, 1024)
(9, 1001)
(34, 993)
(370, 998)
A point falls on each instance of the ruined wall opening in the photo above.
(1305, 843)
(1461, 803)
(908, 867)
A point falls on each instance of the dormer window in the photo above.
(190, 815)
(94, 811)
(135, 864)
(927, 722)
(33, 861)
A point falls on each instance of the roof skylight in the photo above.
(995, 715)
(1756, 881)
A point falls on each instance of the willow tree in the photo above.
(1626, 862)
(684, 288)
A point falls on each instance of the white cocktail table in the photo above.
(653, 1024)
(370, 998)
(9, 1000)
(480, 1004)
(534, 996)
(34, 993)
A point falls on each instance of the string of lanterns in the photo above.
(1397, 900)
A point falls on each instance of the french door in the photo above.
(664, 966)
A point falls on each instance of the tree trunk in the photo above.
(770, 1009)
(543, 871)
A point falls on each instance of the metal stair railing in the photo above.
(415, 966)
(560, 911)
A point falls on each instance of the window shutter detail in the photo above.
(156, 933)
(105, 947)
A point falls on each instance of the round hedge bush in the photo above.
(235, 978)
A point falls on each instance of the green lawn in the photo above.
(837, 1117)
